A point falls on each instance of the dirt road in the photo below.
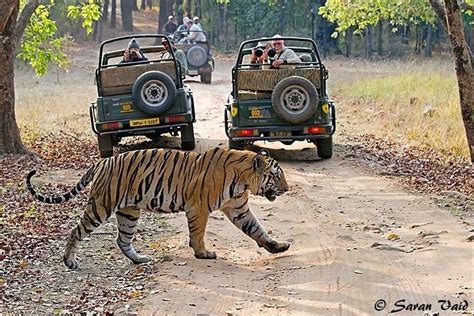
(357, 238)
(338, 217)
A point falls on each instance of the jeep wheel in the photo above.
(324, 146)
(196, 56)
(295, 99)
(154, 92)
(187, 137)
(206, 77)
(105, 145)
(239, 145)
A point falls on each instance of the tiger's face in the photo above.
(273, 181)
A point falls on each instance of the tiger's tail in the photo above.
(85, 180)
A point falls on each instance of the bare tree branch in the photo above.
(5, 14)
(440, 11)
(24, 19)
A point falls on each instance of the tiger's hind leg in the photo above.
(238, 211)
(94, 215)
(127, 220)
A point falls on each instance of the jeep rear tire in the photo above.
(206, 77)
(154, 92)
(295, 99)
(234, 144)
(187, 137)
(324, 147)
(105, 145)
(196, 56)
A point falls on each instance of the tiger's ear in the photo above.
(264, 152)
(259, 163)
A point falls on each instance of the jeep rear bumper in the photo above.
(281, 133)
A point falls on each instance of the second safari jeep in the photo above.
(142, 97)
(286, 104)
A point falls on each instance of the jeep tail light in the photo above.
(110, 126)
(246, 132)
(315, 130)
(175, 119)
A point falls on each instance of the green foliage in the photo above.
(41, 46)
(88, 12)
(359, 14)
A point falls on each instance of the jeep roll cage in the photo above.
(247, 46)
(104, 57)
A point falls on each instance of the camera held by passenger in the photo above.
(271, 52)
(259, 51)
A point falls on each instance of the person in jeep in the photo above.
(283, 55)
(178, 53)
(133, 53)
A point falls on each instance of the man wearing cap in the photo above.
(196, 21)
(178, 54)
(195, 32)
(171, 26)
(133, 53)
(283, 55)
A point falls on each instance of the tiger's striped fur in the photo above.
(170, 181)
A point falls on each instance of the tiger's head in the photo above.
(271, 180)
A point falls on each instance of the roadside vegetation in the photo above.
(412, 102)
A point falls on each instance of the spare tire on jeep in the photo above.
(154, 92)
(197, 56)
(295, 99)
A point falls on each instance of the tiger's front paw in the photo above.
(204, 254)
(276, 247)
(71, 263)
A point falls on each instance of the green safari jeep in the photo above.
(141, 97)
(285, 104)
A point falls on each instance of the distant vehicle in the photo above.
(286, 104)
(142, 97)
(198, 54)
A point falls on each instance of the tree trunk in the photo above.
(282, 5)
(429, 41)
(143, 5)
(162, 16)
(113, 14)
(134, 5)
(223, 38)
(197, 8)
(10, 140)
(368, 42)
(179, 11)
(349, 32)
(150, 4)
(126, 8)
(105, 11)
(380, 38)
(464, 69)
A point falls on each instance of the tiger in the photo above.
(169, 180)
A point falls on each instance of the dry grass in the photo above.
(414, 102)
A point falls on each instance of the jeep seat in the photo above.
(119, 80)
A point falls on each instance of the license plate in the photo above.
(280, 134)
(145, 122)
(255, 113)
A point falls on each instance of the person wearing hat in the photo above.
(263, 58)
(283, 55)
(171, 26)
(195, 32)
(196, 21)
(133, 53)
(178, 54)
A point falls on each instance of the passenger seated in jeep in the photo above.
(133, 53)
(178, 54)
(283, 55)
